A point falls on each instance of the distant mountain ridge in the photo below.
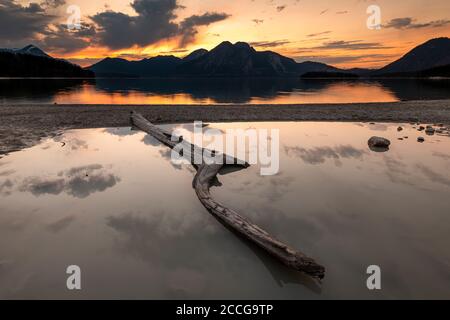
(31, 61)
(242, 60)
(159, 66)
(225, 60)
(430, 59)
(431, 54)
(29, 49)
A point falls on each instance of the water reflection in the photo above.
(116, 206)
(219, 91)
(78, 182)
(319, 155)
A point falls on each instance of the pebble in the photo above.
(430, 130)
(379, 144)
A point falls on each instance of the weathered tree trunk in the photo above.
(206, 173)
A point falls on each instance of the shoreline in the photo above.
(24, 125)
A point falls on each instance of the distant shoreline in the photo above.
(22, 126)
(241, 78)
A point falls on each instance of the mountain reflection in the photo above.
(220, 91)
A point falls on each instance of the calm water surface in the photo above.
(218, 91)
(110, 201)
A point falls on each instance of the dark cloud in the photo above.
(154, 22)
(59, 39)
(21, 25)
(189, 26)
(53, 3)
(258, 21)
(281, 8)
(19, 22)
(269, 44)
(409, 23)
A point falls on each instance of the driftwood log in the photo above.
(206, 174)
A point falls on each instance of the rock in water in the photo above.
(379, 144)
(421, 139)
(399, 129)
(430, 130)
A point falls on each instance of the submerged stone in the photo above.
(379, 144)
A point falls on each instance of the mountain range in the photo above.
(225, 60)
(431, 58)
(31, 61)
(241, 60)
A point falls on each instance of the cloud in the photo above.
(353, 45)
(318, 34)
(188, 27)
(408, 23)
(21, 25)
(269, 44)
(373, 58)
(154, 22)
(258, 21)
(281, 8)
(18, 22)
(53, 3)
(59, 39)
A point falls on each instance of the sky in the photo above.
(329, 31)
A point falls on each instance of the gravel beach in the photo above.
(22, 126)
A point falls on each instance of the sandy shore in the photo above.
(24, 125)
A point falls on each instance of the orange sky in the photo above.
(334, 32)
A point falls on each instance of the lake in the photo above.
(111, 201)
(218, 91)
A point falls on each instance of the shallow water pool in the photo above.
(111, 202)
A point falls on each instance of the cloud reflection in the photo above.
(319, 155)
(61, 224)
(79, 182)
(6, 187)
(433, 176)
(121, 132)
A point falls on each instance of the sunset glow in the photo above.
(331, 32)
